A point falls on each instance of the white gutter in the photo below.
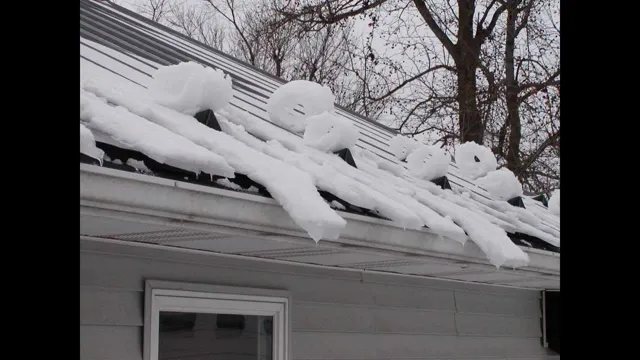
(159, 200)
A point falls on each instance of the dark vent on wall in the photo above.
(345, 154)
(443, 182)
(517, 202)
(208, 118)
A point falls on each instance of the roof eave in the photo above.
(169, 201)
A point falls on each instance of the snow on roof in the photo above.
(116, 70)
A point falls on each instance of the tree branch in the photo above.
(534, 156)
(525, 17)
(435, 28)
(315, 14)
(411, 79)
(535, 87)
(481, 32)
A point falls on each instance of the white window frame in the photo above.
(202, 298)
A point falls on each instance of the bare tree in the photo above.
(529, 136)
(154, 9)
(492, 65)
(445, 71)
(461, 32)
(198, 23)
(253, 30)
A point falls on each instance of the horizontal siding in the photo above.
(391, 346)
(109, 307)
(414, 322)
(492, 325)
(335, 314)
(322, 317)
(412, 297)
(110, 342)
(479, 303)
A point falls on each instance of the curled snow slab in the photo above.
(379, 191)
(261, 129)
(502, 184)
(428, 162)
(475, 160)
(490, 238)
(88, 144)
(329, 133)
(401, 146)
(150, 139)
(554, 202)
(292, 188)
(189, 87)
(313, 97)
(367, 156)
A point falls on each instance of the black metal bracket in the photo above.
(517, 202)
(208, 118)
(345, 154)
(542, 198)
(443, 182)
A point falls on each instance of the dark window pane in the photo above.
(552, 308)
(215, 336)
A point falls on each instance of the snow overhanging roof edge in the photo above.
(105, 189)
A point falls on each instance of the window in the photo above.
(198, 321)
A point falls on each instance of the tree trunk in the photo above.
(466, 59)
(471, 127)
(512, 89)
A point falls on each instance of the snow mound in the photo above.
(189, 87)
(428, 162)
(554, 202)
(314, 98)
(401, 146)
(395, 169)
(329, 133)
(475, 160)
(502, 184)
(88, 144)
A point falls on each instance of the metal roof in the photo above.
(132, 47)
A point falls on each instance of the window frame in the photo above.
(204, 298)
